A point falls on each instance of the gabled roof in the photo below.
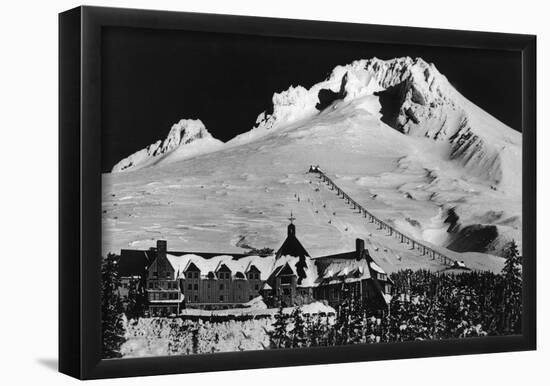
(267, 266)
(339, 270)
(242, 264)
(291, 246)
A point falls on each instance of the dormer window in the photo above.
(192, 272)
(224, 272)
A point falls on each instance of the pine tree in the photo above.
(278, 337)
(111, 308)
(136, 300)
(174, 337)
(299, 331)
(511, 302)
(357, 321)
(512, 266)
(342, 325)
(195, 339)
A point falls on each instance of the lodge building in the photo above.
(176, 280)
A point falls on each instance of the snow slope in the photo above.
(187, 138)
(394, 134)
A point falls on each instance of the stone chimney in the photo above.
(161, 248)
(359, 248)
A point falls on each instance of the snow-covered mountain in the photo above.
(187, 138)
(394, 134)
(415, 99)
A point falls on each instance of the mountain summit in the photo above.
(187, 138)
(414, 98)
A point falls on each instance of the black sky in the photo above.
(153, 78)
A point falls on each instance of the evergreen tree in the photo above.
(511, 302)
(315, 331)
(175, 337)
(111, 308)
(278, 337)
(136, 300)
(195, 339)
(299, 331)
(342, 325)
(512, 266)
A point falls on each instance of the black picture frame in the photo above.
(80, 190)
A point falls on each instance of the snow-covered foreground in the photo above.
(457, 168)
(152, 337)
(178, 336)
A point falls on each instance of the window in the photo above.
(222, 286)
(196, 287)
(256, 276)
(150, 285)
(164, 295)
(189, 287)
(168, 275)
(155, 274)
(381, 276)
(221, 298)
(286, 279)
(256, 287)
(196, 298)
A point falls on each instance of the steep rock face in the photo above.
(186, 138)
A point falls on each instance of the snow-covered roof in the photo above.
(348, 270)
(376, 267)
(266, 265)
(310, 269)
(206, 265)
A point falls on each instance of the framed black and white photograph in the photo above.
(243, 192)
